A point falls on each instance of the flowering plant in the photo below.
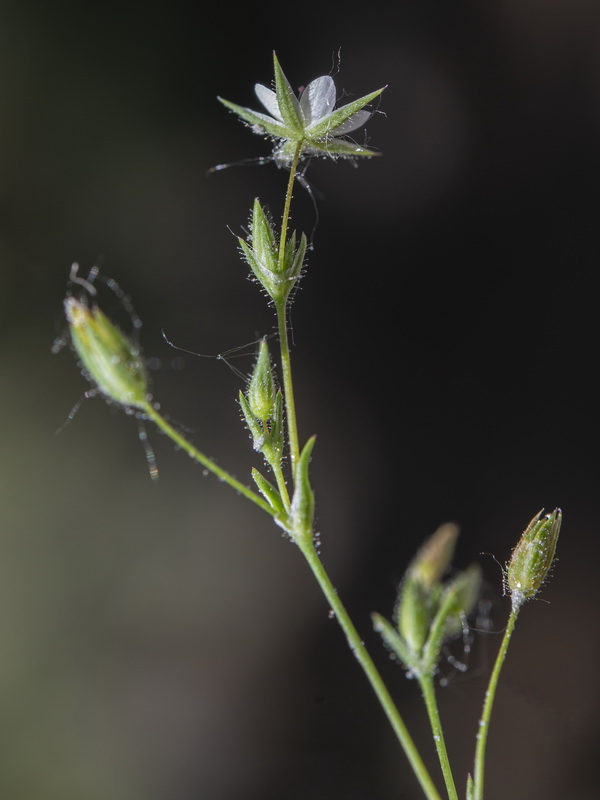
(429, 609)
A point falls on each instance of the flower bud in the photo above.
(420, 591)
(414, 614)
(434, 557)
(261, 391)
(532, 557)
(111, 361)
(262, 254)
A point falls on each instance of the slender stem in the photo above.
(355, 643)
(198, 456)
(281, 307)
(364, 659)
(484, 723)
(427, 687)
(281, 485)
(288, 385)
(287, 204)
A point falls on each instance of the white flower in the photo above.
(309, 124)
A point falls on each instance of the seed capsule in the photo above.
(533, 556)
(111, 361)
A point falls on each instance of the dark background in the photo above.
(161, 640)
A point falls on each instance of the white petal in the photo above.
(352, 123)
(269, 100)
(318, 99)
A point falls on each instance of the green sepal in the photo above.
(393, 640)
(268, 279)
(257, 431)
(470, 788)
(289, 107)
(269, 492)
(264, 241)
(332, 121)
(303, 501)
(294, 258)
(257, 120)
(339, 147)
(276, 438)
(413, 614)
(261, 389)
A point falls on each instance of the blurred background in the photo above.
(160, 640)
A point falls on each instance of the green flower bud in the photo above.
(414, 614)
(262, 254)
(110, 360)
(434, 557)
(420, 591)
(261, 391)
(533, 556)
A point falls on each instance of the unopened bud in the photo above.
(413, 614)
(435, 555)
(111, 361)
(261, 252)
(261, 391)
(532, 557)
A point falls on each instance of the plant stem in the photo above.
(281, 308)
(484, 723)
(280, 479)
(364, 659)
(427, 687)
(198, 456)
(306, 545)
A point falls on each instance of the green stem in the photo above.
(281, 485)
(281, 307)
(288, 385)
(364, 659)
(428, 689)
(198, 456)
(486, 714)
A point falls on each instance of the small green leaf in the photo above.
(303, 501)
(393, 640)
(269, 492)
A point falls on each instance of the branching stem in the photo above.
(428, 690)
(357, 646)
(151, 413)
(486, 714)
